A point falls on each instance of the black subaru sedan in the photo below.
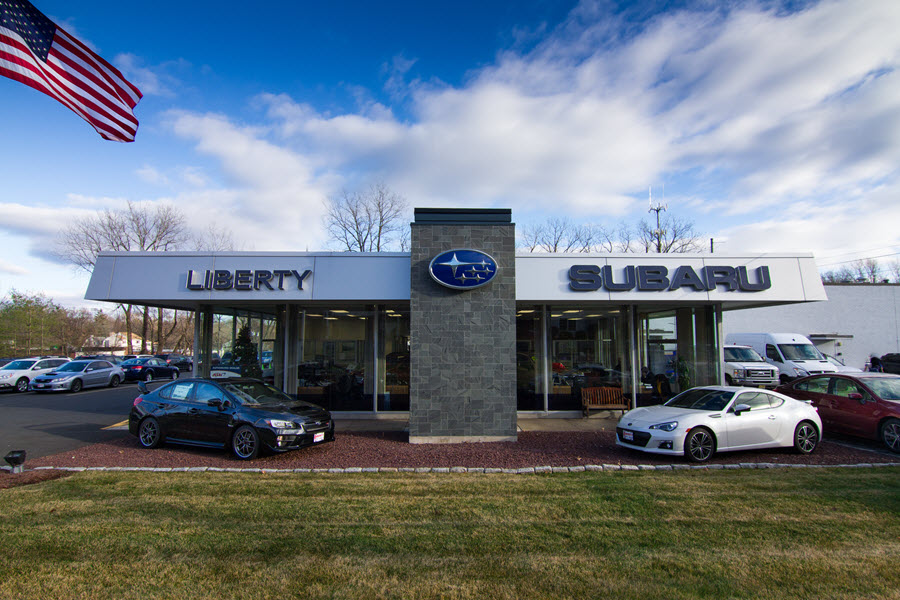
(243, 415)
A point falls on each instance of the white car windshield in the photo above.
(742, 355)
(702, 399)
(19, 365)
(800, 352)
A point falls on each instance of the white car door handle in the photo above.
(772, 417)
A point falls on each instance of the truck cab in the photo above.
(744, 366)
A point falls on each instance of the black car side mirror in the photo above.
(219, 403)
(738, 409)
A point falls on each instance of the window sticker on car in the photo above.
(181, 391)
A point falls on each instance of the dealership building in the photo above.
(461, 335)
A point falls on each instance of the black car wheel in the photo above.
(114, 382)
(22, 385)
(699, 445)
(76, 386)
(245, 442)
(890, 434)
(148, 377)
(174, 374)
(149, 433)
(806, 437)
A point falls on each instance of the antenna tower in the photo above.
(658, 233)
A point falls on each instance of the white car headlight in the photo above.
(800, 372)
(667, 426)
(5, 375)
(739, 373)
(278, 424)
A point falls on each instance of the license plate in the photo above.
(628, 436)
(318, 437)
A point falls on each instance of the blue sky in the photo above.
(773, 126)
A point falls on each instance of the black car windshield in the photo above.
(19, 365)
(255, 393)
(742, 355)
(72, 367)
(886, 388)
(135, 361)
(800, 352)
(702, 399)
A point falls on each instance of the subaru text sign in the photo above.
(463, 269)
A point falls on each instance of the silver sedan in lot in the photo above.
(701, 421)
(78, 374)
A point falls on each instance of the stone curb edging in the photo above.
(479, 470)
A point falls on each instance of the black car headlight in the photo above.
(283, 427)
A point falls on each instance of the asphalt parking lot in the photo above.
(47, 423)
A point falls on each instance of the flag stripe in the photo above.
(25, 72)
(71, 73)
(47, 82)
(124, 89)
(69, 70)
(65, 93)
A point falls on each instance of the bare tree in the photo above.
(368, 221)
(559, 235)
(214, 238)
(865, 270)
(893, 268)
(134, 228)
(672, 234)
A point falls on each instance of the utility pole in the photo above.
(657, 233)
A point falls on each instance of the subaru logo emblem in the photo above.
(463, 269)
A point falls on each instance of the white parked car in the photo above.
(701, 421)
(841, 367)
(18, 374)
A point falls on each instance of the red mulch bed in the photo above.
(392, 449)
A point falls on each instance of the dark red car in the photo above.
(864, 404)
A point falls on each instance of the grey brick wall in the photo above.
(462, 369)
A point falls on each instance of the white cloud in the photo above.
(7, 267)
(743, 111)
(275, 200)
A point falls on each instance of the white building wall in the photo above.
(867, 314)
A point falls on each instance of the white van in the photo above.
(744, 366)
(793, 354)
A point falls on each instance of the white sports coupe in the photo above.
(702, 421)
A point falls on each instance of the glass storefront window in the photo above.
(678, 350)
(393, 337)
(529, 359)
(588, 348)
(336, 355)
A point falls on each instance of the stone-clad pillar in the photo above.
(462, 341)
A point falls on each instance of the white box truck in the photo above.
(793, 354)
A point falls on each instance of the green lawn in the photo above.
(786, 533)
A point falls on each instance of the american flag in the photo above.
(34, 51)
